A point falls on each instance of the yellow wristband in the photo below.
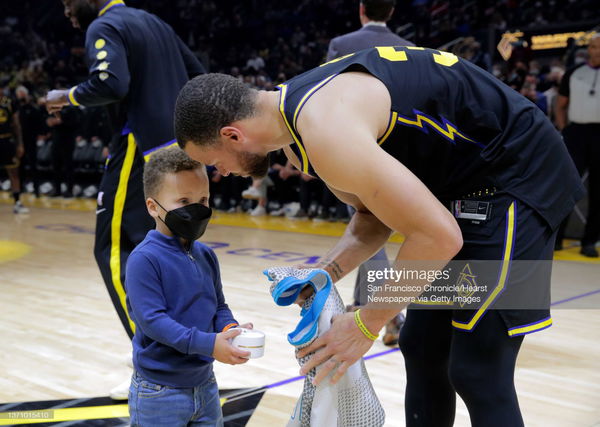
(363, 328)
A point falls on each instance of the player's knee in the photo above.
(476, 384)
(470, 383)
(417, 349)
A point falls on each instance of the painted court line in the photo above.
(587, 294)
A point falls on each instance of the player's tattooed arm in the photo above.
(332, 267)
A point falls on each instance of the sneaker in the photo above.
(121, 392)
(251, 193)
(278, 212)
(258, 211)
(322, 217)
(392, 330)
(589, 251)
(20, 209)
(301, 214)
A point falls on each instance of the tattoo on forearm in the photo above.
(333, 267)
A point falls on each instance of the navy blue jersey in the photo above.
(136, 57)
(455, 126)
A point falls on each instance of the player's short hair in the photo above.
(170, 160)
(378, 10)
(209, 102)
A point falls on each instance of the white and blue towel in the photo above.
(351, 402)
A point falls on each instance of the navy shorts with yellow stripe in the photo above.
(508, 258)
(520, 243)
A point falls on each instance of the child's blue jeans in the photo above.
(155, 405)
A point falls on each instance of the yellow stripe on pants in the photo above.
(115, 227)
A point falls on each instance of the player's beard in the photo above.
(255, 165)
(85, 13)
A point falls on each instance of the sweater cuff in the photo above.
(231, 325)
(202, 343)
(71, 96)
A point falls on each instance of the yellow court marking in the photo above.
(11, 250)
(571, 253)
(63, 414)
(38, 416)
(334, 229)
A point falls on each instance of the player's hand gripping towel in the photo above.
(351, 402)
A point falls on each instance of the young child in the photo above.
(175, 299)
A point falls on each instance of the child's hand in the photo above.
(225, 352)
(304, 295)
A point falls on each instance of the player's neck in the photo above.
(269, 121)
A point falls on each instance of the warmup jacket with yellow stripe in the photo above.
(137, 59)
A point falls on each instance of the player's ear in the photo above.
(232, 134)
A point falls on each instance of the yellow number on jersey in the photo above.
(446, 59)
(391, 54)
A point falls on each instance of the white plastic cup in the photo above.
(250, 340)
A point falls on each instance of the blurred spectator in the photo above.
(373, 15)
(267, 43)
(553, 79)
(578, 116)
(63, 126)
(285, 179)
(529, 91)
(470, 49)
(11, 146)
(32, 125)
(258, 191)
(255, 63)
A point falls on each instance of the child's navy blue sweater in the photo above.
(176, 301)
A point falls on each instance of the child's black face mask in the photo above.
(188, 222)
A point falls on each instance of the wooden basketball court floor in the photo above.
(62, 341)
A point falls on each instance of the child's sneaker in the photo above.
(120, 392)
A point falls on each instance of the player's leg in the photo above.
(135, 222)
(592, 227)
(485, 343)
(9, 160)
(482, 367)
(425, 343)
(15, 183)
(109, 215)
